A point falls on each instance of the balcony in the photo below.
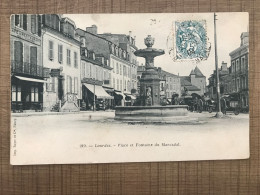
(26, 68)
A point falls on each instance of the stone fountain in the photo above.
(150, 109)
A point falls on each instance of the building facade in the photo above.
(194, 83)
(119, 78)
(224, 82)
(239, 70)
(95, 78)
(27, 78)
(234, 79)
(61, 59)
(172, 84)
(127, 44)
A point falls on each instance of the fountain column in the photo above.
(150, 81)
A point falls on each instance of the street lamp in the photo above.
(218, 114)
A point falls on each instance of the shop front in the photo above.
(26, 94)
(95, 95)
(129, 100)
(119, 98)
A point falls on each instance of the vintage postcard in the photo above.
(108, 88)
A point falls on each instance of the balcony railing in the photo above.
(26, 68)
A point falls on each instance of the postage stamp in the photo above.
(190, 41)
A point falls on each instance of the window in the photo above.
(113, 64)
(18, 52)
(90, 71)
(76, 85)
(105, 75)
(34, 94)
(117, 84)
(69, 84)
(60, 54)
(24, 21)
(83, 68)
(68, 57)
(125, 86)
(33, 24)
(13, 93)
(121, 85)
(51, 50)
(16, 93)
(161, 86)
(39, 25)
(50, 85)
(86, 53)
(33, 61)
(17, 20)
(237, 65)
(120, 69)
(71, 29)
(233, 67)
(75, 59)
(124, 70)
(51, 20)
(117, 69)
(238, 84)
(96, 73)
(114, 83)
(243, 63)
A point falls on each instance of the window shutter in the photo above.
(18, 51)
(60, 53)
(33, 24)
(73, 85)
(24, 21)
(39, 25)
(17, 20)
(33, 56)
(50, 50)
(75, 60)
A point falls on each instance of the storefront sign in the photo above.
(55, 72)
(25, 35)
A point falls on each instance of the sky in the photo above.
(229, 27)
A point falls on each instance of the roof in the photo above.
(185, 80)
(246, 45)
(167, 73)
(198, 72)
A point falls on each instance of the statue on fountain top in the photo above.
(149, 41)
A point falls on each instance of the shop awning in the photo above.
(119, 93)
(99, 91)
(31, 79)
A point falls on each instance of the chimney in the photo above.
(130, 33)
(224, 66)
(92, 29)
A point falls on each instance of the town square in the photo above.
(79, 83)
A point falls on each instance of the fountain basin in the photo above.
(151, 113)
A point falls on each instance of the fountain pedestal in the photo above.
(150, 109)
(150, 81)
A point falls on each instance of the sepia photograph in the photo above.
(110, 88)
